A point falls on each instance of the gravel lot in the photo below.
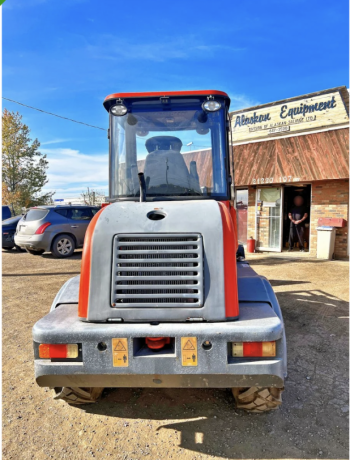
(177, 423)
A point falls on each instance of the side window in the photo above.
(81, 214)
(94, 210)
(63, 212)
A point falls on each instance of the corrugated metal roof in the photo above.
(318, 156)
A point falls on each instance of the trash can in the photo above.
(325, 242)
(251, 245)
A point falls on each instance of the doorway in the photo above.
(290, 192)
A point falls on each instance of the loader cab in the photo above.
(179, 141)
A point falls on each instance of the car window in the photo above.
(35, 214)
(63, 212)
(81, 214)
(94, 210)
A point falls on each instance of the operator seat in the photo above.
(165, 168)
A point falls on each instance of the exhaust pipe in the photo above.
(142, 183)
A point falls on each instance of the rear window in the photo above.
(35, 214)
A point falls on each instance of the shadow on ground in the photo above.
(312, 421)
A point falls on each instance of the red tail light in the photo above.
(47, 350)
(156, 343)
(42, 228)
(253, 349)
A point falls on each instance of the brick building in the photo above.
(298, 146)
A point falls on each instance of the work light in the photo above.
(211, 106)
(119, 110)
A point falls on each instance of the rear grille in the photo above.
(158, 269)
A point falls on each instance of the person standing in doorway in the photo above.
(297, 218)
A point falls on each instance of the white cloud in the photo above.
(113, 48)
(55, 141)
(241, 101)
(71, 171)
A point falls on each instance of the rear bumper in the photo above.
(216, 367)
(8, 240)
(34, 242)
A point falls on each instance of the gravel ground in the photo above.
(177, 423)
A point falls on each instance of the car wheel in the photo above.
(8, 249)
(35, 253)
(63, 246)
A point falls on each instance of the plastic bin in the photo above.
(325, 242)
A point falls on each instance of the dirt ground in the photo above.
(177, 423)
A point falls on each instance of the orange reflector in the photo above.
(253, 349)
(58, 351)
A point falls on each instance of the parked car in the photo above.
(6, 212)
(56, 229)
(8, 232)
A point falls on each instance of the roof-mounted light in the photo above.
(211, 106)
(119, 110)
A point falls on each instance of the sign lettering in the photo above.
(287, 118)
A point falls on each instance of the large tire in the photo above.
(35, 253)
(257, 399)
(63, 246)
(78, 395)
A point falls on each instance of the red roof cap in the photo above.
(206, 92)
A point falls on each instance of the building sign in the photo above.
(290, 116)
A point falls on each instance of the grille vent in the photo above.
(164, 270)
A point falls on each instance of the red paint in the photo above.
(103, 205)
(251, 245)
(230, 268)
(84, 287)
(167, 93)
(42, 228)
(156, 343)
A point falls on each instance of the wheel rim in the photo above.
(64, 246)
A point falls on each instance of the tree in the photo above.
(93, 197)
(23, 166)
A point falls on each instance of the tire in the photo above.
(257, 399)
(19, 249)
(240, 254)
(8, 249)
(35, 253)
(63, 246)
(78, 395)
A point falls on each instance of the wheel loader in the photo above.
(165, 297)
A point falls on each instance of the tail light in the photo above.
(156, 343)
(58, 351)
(42, 228)
(253, 349)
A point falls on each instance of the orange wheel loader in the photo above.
(165, 297)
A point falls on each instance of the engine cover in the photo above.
(157, 261)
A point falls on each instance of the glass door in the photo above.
(269, 210)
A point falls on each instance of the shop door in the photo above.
(269, 218)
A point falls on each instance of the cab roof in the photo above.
(207, 92)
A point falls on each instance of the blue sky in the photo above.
(67, 56)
